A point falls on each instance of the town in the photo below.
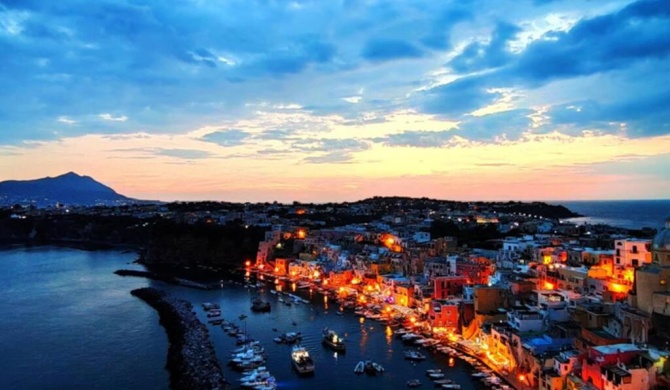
(542, 302)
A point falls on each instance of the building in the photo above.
(632, 252)
(444, 314)
(446, 286)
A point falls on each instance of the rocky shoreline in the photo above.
(191, 361)
(162, 278)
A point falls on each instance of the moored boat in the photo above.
(414, 355)
(413, 383)
(360, 367)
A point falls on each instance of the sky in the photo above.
(340, 100)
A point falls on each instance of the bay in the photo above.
(629, 214)
(66, 321)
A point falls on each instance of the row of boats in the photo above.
(438, 378)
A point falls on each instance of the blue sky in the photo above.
(341, 90)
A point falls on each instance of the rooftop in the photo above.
(616, 348)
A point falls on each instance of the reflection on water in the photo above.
(389, 335)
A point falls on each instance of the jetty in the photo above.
(191, 360)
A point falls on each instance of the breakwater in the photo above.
(191, 361)
(162, 278)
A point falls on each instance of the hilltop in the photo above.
(69, 188)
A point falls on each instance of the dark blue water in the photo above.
(66, 321)
(630, 214)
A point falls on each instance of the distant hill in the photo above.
(69, 188)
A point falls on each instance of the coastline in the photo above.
(191, 361)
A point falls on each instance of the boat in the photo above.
(260, 306)
(290, 337)
(436, 375)
(451, 386)
(370, 368)
(333, 341)
(360, 367)
(443, 381)
(433, 371)
(414, 355)
(301, 360)
(413, 383)
(213, 313)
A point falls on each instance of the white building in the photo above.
(632, 252)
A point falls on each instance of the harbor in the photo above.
(312, 318)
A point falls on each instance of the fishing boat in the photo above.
(301, 360)
(413, 383)
(360, 367)
(433, 371)
(436, 375)
(333, 341)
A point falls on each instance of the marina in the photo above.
(376, 356)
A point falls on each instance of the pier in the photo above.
(191, 361)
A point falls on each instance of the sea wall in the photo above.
(191, 360)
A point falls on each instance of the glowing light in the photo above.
(548, 286)
(261, 266)
(301, 234)
(276, 269)
(316, 274)
(325, 282)
(361, 319)
(412, 320)
(522, 377)
(248, 263)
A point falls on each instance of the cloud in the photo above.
(327, 145)
(172, 68)
(640, 31)
(380, 50)
(478, 56)
(330, 158)
(185, 154)
(418, 139)
(110, 117)
(66, 120)
(461, 96)
(227, 138)
(619, 41)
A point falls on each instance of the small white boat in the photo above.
(360, 367)
(436, 375)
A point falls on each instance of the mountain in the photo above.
(69, 188)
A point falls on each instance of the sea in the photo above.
(629, 214)
(68, 322)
